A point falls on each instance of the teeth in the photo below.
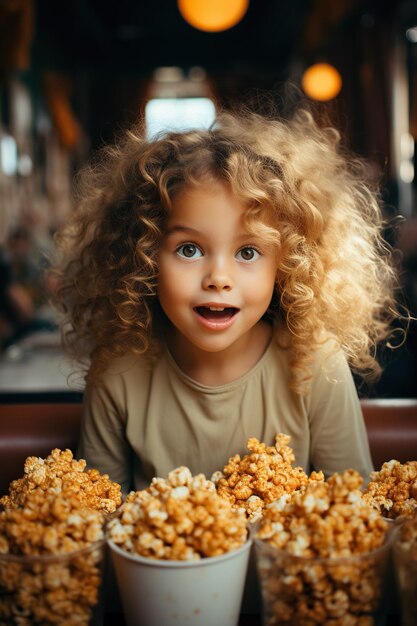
(216, 308)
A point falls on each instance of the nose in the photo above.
(217, 277)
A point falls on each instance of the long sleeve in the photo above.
(102, 441)
(338, 437)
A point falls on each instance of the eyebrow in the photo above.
(181, 229)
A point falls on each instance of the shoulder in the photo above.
(128, 365)
(327, 361)
(122, 389)
(122, 375)
(329, 364)
(332, 388)
(327, 369)
(278, 362)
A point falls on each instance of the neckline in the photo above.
(209, 389)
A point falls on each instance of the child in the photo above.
(220, 283)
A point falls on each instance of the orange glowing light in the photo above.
(213, 15)
(321, 81)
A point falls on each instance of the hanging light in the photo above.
(321, 81)
(213, 15)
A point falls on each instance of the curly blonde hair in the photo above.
(334, 276)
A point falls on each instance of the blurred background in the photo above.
(74, 74)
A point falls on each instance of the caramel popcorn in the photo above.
(264, 475)
(405, 556)
(393, 489)
(60, 472)
(178, 518)
(51, 552)
(312, 577)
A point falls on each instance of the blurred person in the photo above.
(24, 289)
(16, 306)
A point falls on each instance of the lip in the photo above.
(213, 324)
(225, 305)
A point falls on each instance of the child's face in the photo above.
(216, 280)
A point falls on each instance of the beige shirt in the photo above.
(144, 421)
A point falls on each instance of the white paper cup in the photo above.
(178, 593)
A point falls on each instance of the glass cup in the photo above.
(396, 521)
(53, 589)
(172, 593)
(300, 590)
(405, 563)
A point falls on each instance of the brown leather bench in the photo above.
(35, 429)
(392, 429)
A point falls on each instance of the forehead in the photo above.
(210, 198)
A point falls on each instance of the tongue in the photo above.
(215, 315)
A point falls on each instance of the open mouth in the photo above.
(216, 313)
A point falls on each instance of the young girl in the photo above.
(220, 283)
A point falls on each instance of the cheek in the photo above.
(261, 287)
(262, 296)
(175, 276)
(172, 288)
(166, 287)
(168, 299)
(167, 275)
(164, 281)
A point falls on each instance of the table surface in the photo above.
(37, 364)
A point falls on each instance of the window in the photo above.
(162, 114)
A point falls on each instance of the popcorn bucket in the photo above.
(197, 593)
(405, 560)
(53, 589)
(299, 590)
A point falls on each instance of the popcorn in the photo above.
(63, 588)
(393, 489)
(322, 523)
(264, 475)
(49, 525)
(60, 472)
(178, 518)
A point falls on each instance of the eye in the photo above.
(189, 251)
(247, 254)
